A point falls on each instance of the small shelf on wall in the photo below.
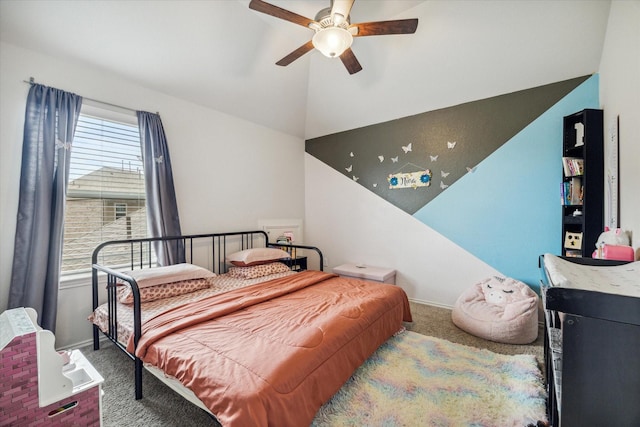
(278, 227)
(572, 220)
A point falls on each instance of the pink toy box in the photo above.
(38, 385)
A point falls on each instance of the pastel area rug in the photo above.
(416, 380)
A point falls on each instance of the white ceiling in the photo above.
(222, 55)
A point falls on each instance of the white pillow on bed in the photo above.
(165, 282)
(171, 273)
(256, 256)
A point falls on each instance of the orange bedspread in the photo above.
(273, 353)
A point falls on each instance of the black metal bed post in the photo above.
(132, 255)
(220, 250)
(137, 332)
(113, 317)
(214, 255)
(142, 255)
(94, 297)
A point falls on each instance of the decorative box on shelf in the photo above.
(366, 272)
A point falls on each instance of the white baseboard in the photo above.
(435, 304)
(84, 343)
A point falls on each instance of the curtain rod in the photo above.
(32, 81)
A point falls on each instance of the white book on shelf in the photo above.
(579, 127)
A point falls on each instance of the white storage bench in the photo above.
(366, 272)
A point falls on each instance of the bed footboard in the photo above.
(112, 278)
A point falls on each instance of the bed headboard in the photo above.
(205, 250)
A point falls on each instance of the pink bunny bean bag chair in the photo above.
(498, 309)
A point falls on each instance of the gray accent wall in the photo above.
(449, 142)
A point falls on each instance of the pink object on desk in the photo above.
(615, 252)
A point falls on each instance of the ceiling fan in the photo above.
(333, 31)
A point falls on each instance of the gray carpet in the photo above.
(436, 322)
(163, 407)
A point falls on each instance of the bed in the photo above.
(592, 339)
(244, 344)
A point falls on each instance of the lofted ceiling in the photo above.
(220, 54)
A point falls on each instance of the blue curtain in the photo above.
(162, 209)
(50, 121)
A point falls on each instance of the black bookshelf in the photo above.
(583, 209)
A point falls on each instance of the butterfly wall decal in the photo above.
(65, 145)
(406, 148)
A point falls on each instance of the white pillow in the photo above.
(256, 256)
(171, 273)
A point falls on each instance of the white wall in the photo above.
(229, 173)
(620, 96)
(352, 224)
(399, 79)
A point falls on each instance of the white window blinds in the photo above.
(105, 195)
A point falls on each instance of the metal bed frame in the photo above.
(213, 246)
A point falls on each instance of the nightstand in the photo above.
(298, 263)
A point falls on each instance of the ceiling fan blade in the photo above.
(278, 12)
(342, 7)
(400, 26)
(296, 54)
(350, 61)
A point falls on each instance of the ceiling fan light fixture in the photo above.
(332, 41)
(338, 19)
(333, 32)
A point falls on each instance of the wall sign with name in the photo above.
(410, 179)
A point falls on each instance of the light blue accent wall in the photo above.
(507, 211)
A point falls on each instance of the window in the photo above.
(105, 195)
(121, 210)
